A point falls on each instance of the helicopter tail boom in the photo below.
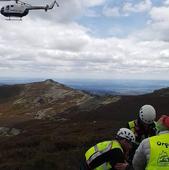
(47, 7)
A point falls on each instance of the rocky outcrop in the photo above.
(6, 131)
(45, 114)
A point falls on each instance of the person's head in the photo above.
(126, 137)
(147, 115)
(163, 123)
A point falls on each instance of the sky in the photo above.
(94, 39)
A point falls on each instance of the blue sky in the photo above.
(121, 25)
(124, 39)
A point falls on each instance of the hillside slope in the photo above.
(58, 123)
(46, 99)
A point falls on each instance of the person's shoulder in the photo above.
(145, 143)
(131, 123)
(145, 140)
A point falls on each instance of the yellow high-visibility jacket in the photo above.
(100, 149)
(159, 152)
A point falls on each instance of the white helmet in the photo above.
(127, 134)
(147, 114)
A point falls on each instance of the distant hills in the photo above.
(49, 99)
(101, 87)
(44, 124)
(117, 86)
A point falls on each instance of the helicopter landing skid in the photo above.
(14, 19)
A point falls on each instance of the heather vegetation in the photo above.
(51, 145)
(73, 122)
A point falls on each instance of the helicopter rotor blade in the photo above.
(10, 0)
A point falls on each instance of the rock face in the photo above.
(44, 100)
(45, 113)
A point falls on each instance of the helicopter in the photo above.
(21, 9)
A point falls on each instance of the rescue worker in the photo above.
(111, 155)
(153, 152)
(144, 126)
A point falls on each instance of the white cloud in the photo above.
(47, 48)
(143, 6)
(127, 8)
(158, 26)
(160, 14)
(111, 12)
(91, 3)
(166, 2)
(164, 55)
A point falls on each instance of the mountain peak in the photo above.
(49, 81)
